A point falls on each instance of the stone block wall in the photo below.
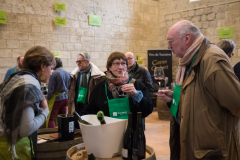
(208, 15)
(127, 25)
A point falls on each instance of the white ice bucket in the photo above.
(104, 141)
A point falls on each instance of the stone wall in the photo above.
(127, 25)
(208, 15)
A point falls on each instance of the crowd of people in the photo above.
(205, 103)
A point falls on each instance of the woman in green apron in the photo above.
(119, 94)
(59, 84)
(23, 107)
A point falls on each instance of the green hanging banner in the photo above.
(226, 32)
(60, 6)
(95, 20)
(3, 17)
(57, 54)
(60, 21)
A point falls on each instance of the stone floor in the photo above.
(157, 136)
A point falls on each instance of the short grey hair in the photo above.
(227, 45)
(189, 28)
(85, 56)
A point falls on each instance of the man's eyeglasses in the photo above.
(118, 64)
(79, 61)
(171, 41)
(129, 59)
(231, 54)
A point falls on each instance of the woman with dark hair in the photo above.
(23, 108)
(58, 86)
(108, 96)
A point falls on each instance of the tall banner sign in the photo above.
(160, 58)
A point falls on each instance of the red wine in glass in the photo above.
(158, 79)
(159, 75)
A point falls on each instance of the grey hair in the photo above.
(189, 28)
(226, 45)
(85, 56)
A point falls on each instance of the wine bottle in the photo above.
(100, 117)
(128, 140)
(79, 118)
(139, 141)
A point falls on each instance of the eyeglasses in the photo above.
(79, 61)
(231, 54)
(118, 64)
(129, 59)
(171, 41)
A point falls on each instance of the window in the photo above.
(193, 0)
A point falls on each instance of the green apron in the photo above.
(82, 92)
(50, 105)
(118, 107)
(23, 148)
(176, 95)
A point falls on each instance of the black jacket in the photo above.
(237, 70)
(143, 76)
(98, 101)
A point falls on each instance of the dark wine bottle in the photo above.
(139, 141)
(79, 118)
(100, 117)
(128, 140)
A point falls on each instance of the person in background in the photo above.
(79, 87)
(227, 46)
(205, 101)
(236, 69)
(16, 68)
(23, 108)
(139, 73)
(58, 86)
(109, 94)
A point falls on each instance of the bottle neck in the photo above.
(129, 120)
(77, 115)
(139, 119)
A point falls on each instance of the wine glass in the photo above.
(159, 75)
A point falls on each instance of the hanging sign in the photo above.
(226, 32)
(95, 20)
(60, 6)
(3, 17)
(139, 59)
(60, 21)
(57, 54)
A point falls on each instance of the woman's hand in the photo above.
(43, 103)
(165, 95)
(129, 88)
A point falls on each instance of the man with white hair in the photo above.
(81, 76)
(138, 72)
(228, 46)
(205, 103)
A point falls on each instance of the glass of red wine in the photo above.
(159, 75)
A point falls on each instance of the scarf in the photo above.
(115, 84)
(131, 69)
(84, 76)
(15, 95)
(187, 58)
